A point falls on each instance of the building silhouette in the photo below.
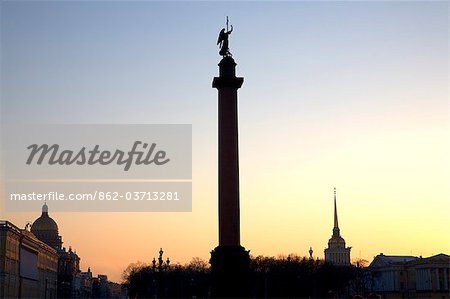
(395, 276)
(34, 264)
(46, 230)
(28, 266)
(336, 253)
(72, 283)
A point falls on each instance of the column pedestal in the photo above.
(230, 272)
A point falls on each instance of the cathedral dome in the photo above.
(45, 222)
(46, 229)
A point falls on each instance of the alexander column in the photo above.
(229, 261)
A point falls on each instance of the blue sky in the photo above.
(115, 57)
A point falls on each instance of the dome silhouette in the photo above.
(45, 222)
(46, 229)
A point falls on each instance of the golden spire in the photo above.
(336, 224)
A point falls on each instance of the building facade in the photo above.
(46, 230)
(336, 253)
(410, 276)
(85, 281)
(28, 266)
(34, 264)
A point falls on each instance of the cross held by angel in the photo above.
(222, 41)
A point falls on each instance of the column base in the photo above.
(230, 271)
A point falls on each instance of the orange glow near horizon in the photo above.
(286, 209)
(392, 197)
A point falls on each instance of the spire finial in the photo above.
(336, 224)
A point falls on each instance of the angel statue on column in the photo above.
(222, 41)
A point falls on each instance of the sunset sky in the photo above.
(352, 95)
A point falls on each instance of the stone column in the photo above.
(229, 261)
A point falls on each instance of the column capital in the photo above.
(227, 74)
(220, 82)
